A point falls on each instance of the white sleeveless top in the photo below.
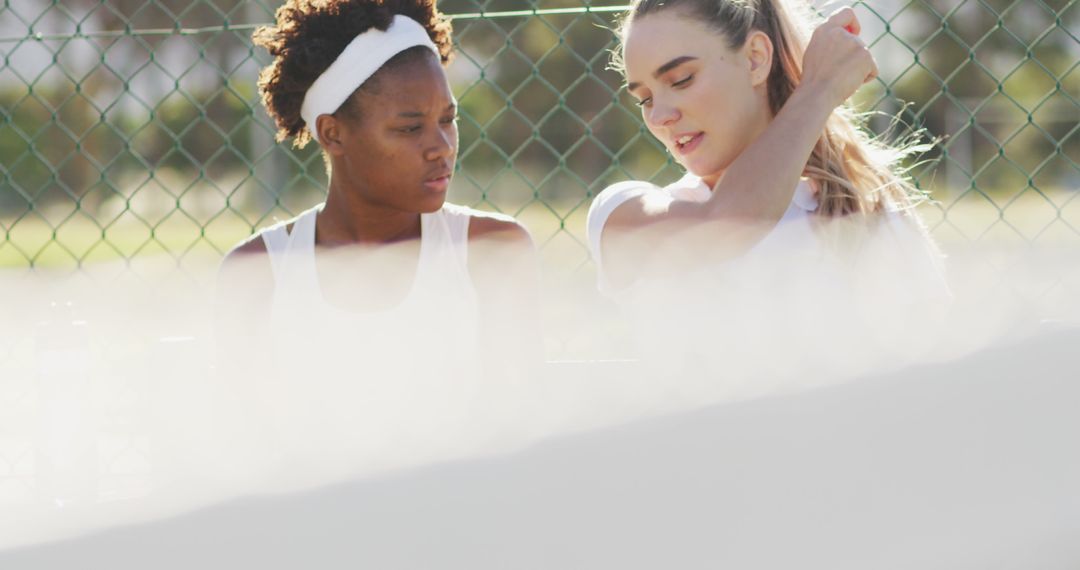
(793, 228)
(441, 276)
(790, 282)
(794, 236)
(337, 369)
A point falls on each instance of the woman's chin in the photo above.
(709, 176)
(432, 205)
(710, 173)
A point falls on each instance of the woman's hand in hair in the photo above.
(837, 62)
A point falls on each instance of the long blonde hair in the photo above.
(855, 173)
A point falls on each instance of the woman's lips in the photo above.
(689, 146)
(439, 184)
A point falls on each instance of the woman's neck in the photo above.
(711, 180)
(348, 219)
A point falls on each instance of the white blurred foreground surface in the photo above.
(962, 454)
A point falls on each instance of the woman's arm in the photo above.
(757, 188)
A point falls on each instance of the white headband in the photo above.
(361, 59)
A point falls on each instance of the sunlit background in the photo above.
(134, 150)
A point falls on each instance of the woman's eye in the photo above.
(410, 129)
(682, 81)
(449, 120)
(644, 102)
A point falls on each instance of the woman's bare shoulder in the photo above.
(494, 227)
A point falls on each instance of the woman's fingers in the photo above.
(845, 18)
(853, 27)
(837, 61)
(873, 71)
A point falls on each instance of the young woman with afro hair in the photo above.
(385, 278)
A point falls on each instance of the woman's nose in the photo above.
(662, 115)
(442, 145)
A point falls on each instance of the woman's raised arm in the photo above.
(756, 189)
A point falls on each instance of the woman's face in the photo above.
(401, 146)
(704, 101)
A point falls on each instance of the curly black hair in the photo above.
(311, 34)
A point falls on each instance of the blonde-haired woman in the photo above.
(755, 113)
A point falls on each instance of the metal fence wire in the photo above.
(131, 133)
(132, 129)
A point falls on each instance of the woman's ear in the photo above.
(330, 134)
(759, 52)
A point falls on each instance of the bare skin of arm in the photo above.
(757, 187)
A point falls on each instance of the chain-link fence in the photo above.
(131, 131)
(133, 127)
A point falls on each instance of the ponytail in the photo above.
(853, 172)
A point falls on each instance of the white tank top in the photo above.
(351, 362)
(441, 273)
(789, 282)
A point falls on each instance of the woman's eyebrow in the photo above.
(676, 62)
(421, 114)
